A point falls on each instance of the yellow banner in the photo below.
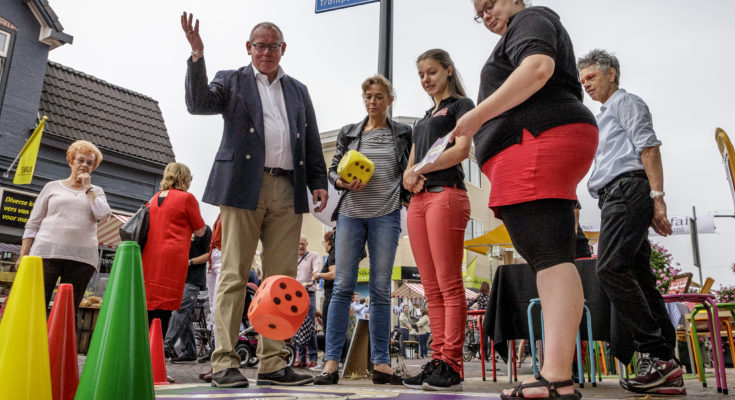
(28, 155)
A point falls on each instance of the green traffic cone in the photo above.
(119, 360)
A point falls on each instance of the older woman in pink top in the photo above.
(62, 228)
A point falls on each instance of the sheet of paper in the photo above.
(434, 152)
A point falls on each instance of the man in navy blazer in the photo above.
(269, 154)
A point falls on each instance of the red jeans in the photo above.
(436, 224)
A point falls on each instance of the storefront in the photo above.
(15, 209)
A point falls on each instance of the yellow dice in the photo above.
(354, 165)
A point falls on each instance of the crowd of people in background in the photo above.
(534, 140)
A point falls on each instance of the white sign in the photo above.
(679, 225)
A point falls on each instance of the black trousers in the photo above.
(78, 274)
(624, 266)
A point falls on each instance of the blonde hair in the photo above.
(379, 80)
(83, 146)
(176, 176)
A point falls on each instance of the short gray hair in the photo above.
(602, 60)
(266, 25)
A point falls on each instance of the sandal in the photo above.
(541, 382)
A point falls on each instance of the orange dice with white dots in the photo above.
(279, 307)
(354, 165)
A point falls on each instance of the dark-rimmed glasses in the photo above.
(485, 10)
(260, 47)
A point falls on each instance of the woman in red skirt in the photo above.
(535, 141)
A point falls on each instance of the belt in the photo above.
(278, 171)
(639, 173)
(437, 188)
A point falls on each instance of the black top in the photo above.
(433, 126)
(534, 30)
(328, 283)
(197, 272)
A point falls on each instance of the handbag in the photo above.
(136, 228)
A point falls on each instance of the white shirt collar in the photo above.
(264, 78)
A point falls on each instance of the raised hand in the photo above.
(192, 35)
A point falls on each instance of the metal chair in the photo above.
(590, 343)
(713, 318)
(694, 334)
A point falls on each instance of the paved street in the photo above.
(187, 374)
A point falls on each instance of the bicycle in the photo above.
(203, 337)
(471, 345)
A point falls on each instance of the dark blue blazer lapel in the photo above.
(252, 99)
(293, 105)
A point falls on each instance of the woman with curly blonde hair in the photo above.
(62, 228)
(174, 216)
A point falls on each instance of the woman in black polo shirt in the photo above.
(437, 217)
(535, 141)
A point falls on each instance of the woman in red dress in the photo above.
(174, 216)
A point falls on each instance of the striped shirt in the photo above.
(382, 194)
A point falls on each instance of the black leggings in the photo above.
(542, 231)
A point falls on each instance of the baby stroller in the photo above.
(247, 342)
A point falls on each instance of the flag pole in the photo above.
(6, 174)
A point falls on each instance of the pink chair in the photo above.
(708, 301)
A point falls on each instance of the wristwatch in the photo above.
(191, 262)
(655, 193)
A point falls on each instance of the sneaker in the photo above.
(443, 378)
(230, 377)
(286, 377)
(654, 373)
(317, 368)
(673, 386)
(416, 382)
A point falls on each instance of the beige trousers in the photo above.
(278, 227)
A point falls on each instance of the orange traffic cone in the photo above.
(157, 360)
(62, 343)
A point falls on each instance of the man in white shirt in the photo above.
(269, 154)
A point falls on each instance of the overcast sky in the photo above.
(677, 55)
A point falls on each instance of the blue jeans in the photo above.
(423, 345)
(180, 326)
(381, 235)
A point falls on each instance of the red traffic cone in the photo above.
(157, 360)
(62, 343)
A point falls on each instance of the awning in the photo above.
(500, 237)
(416, 291)
(496, 237)
(108, 231)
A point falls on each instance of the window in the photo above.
(472, 173)
(4, 45)
(6, 39)
(473, 229)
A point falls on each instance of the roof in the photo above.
(52, 32)
(117, 120)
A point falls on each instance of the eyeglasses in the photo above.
(260, 47)
(485, 10)
(80, 160)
